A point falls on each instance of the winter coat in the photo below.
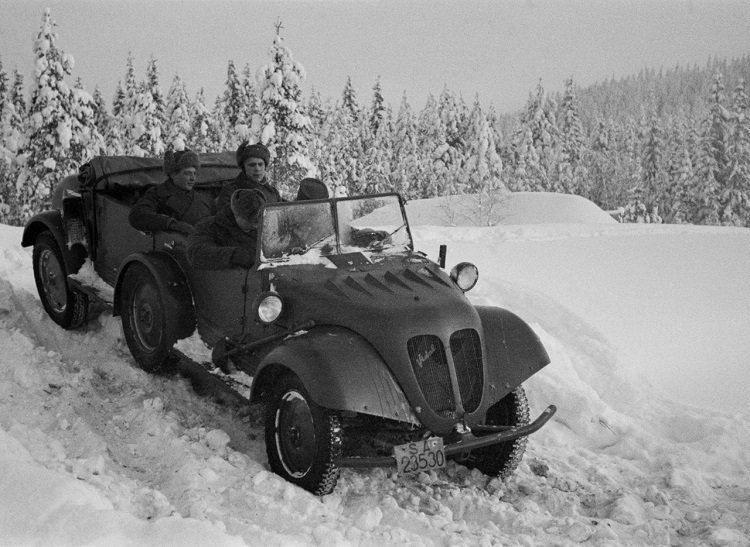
(242, 182)
(167, 201)
(218, 243)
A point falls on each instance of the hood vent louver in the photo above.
(429, 272)
(371, 280)
(335, 290)
(413, 276)
(394, 280)
(352, 284)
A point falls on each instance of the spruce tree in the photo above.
(86, 140)
(201, 136)
(349, 101)
(735, 193)
(285, 127)
(46, 150)
(177, 113)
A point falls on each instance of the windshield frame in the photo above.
(333, 209)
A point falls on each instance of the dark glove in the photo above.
(180, 226)
(242, 257)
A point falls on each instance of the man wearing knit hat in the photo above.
(310, 188)
(229, 239)
(173, 205)
(253, 160)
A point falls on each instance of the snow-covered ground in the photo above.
(647, 327)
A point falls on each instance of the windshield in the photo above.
(369, 225)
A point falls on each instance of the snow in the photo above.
(646, 326)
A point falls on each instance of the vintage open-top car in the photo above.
(364, 351)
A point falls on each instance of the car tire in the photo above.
(66, 306)
(303, 440)
(501, 460)
(148, 314)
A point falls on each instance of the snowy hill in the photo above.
(647, 330)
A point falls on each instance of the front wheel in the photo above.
(66, 306)
(144, 318)
(501, 460)
(303, 439)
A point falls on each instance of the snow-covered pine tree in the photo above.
(15, 115)
(407, 160)
(285, 127)
(735, 193)
(177, 113)
(5, 156)
(218, 131)
(710, 159)
(231, 107)
(655, 179)
(435, 151)
(572, 138)
(46, 150)
(102, 120)
(153, 86)
(349, 101)
(249, 122)
(86, 140)
(125, 111)
(150, 114)
(3, 92)
(378, 108)
(378, 160)
(200, 126)
(114, 137)
(536, 142)
(482, 168)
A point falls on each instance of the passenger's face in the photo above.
(255, 169)
(185, 178)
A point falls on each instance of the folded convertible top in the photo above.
(109, 172)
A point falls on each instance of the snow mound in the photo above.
(507, 209)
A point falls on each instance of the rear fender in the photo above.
(514, 351)
(51, 221)
(171, 280)
(340, 371)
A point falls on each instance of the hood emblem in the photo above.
(423, 356)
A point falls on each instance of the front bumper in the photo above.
(465, 444)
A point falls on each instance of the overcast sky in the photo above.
(497, 49)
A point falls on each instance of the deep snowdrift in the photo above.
(95, 451)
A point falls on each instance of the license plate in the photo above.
(420, 456)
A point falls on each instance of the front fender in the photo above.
(51, 221)
(171, 280)
(340, 370)
(514, 351)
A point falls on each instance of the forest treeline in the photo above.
(669, 145)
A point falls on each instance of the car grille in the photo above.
(431, 369)
(467, 357)
(430, 366)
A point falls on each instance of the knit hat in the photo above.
(311, 189)
(245, 204)
(176, 161)
(247, 150)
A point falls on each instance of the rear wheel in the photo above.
(303, 439)
(145, 316)
(66, 306)
(501, 460)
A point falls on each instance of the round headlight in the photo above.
(269, 307)
(465, 275)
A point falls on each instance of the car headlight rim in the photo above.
(269, 307)
(465, 275)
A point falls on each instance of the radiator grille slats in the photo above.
(431, 369)
(430, 366)
(467, 357)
